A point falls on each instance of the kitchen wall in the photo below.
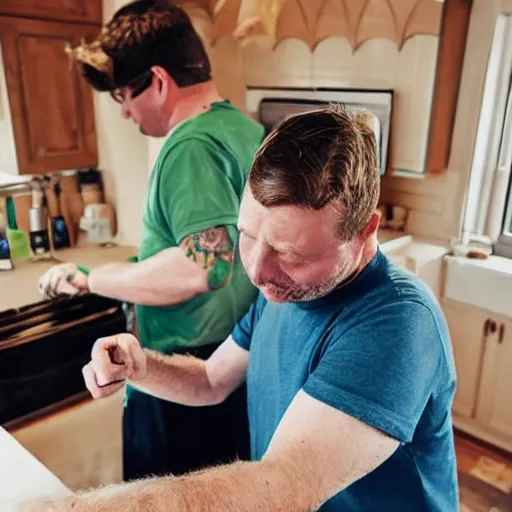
(8, 159)
(436, 202)
(123, 158)
(376, 64)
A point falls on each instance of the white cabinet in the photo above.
(494, 408)
(482, 345)
(467, 332)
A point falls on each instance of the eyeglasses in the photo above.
(136, 86)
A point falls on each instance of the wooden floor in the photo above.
(478, 465)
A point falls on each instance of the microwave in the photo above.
(271, 105)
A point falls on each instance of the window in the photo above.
(502, 189)
(503, 246)
(488, 207)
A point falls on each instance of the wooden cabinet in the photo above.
(482, 345)
(452, 47)
(85, 11)
(51, 105)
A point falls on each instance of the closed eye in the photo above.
(243, 232)
(293, 259)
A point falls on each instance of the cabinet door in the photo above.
(86, 11)
(467, 333)
(51, 106)
(495, 401)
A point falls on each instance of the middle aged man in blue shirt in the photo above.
(347, 358)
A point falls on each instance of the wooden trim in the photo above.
(84, 11)
(452, 46)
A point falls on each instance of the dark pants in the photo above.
(163, 437)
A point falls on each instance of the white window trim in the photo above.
(492, 156)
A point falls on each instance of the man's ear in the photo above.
(373, 225)
(164, 82)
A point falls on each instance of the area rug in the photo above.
(497, 474)
(477, 495)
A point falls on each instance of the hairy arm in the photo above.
(182, 379)
(316, 452)
(192, 381)
(202, 263)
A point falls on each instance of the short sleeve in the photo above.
(242, 332)
(195, 192)
(383, 370)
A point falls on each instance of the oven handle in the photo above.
(19, 339)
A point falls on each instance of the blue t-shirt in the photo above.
(379, 350)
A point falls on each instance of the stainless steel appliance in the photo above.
(271, 105)
(43, 348)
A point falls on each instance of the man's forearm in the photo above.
(180, 379)
(242, 487)
(165, 279)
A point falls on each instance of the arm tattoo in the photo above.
(213, 250)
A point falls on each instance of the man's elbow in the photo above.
(290, 485)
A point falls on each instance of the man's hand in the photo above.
(63, 280)
(114, 360)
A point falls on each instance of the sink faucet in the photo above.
(18, 189)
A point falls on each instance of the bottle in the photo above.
(38, 220)
(20, 248)
(5, 252)
(71, 202)
(59, 230)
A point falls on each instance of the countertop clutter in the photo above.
(21, 282)
(78, 468)
(19, 286)
(22, 476)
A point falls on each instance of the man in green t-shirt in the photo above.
(188, 284)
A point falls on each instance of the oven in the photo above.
(43, 348)
(271, 105)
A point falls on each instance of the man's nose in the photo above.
(261, 265)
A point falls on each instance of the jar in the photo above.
(92, 193)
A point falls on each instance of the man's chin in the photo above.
(273, 295)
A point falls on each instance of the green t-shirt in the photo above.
(197, 183)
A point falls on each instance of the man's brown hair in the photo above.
(142, 34)
(326, 156)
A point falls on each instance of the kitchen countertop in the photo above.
(18, 287)
(22, 476)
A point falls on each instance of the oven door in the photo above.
(43, 348)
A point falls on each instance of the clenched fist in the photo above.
(61, 280)
(115, 360)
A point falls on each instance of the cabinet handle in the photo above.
(501, 334)
(489, 327)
